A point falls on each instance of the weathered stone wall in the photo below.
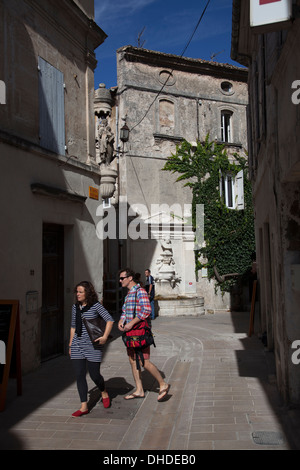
(188, 107)
(274, 149)
(29, 30)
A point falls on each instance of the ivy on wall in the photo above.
(228, 233)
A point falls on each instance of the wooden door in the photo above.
(52, 321)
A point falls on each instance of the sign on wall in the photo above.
(93, 193)
(270, 12)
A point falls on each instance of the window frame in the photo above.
(226, 126)
(227, 191)
(232, 190)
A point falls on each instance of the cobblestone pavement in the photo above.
(223, 395)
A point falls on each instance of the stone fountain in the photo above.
(166, 278)
(169, 301)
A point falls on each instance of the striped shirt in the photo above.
(136, 304)
(82, 347)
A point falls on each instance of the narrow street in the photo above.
(223, 396)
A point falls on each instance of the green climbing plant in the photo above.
(228, 233)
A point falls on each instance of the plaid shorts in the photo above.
(146, 353)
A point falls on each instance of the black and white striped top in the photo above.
(82, 347)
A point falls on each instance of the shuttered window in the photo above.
(232, 190)
(227, 190)
(240, 190)
(226, 117)
(51, 108)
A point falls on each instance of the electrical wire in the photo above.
(196, 27)
(165, 83)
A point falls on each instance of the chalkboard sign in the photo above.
(10, 354)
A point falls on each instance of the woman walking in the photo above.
(85, 354)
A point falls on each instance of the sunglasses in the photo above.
(122, 278)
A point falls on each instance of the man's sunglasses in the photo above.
(122, 278)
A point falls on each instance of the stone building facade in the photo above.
(273, 58)
(164, 99)
(48, 164)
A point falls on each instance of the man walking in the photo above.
(135, 309)
(150, 289)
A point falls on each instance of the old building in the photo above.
(48, 166)
(163, 99)
(271, 51)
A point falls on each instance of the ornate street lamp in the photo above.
(124, 133)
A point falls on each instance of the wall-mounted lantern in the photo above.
(124, 133)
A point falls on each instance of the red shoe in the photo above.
(106, 402)
(80, 413)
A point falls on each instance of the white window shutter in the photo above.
(51, 106)
(240, 190)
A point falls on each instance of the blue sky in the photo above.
(168, 25)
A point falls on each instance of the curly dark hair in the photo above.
(90, 293)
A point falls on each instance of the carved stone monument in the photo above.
(169, 302)
(105, 139)
(104, 143)
(166, 277)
